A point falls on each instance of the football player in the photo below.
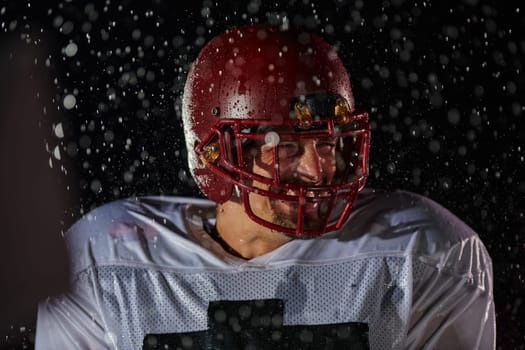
(289, 252)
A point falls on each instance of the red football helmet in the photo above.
(257, 86)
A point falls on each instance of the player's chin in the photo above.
(290, 222)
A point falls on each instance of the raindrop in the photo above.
(69, 101)
(434, 146)
(453, 116)
(71, 49)
(59, 131)
(110, 338)
(96, 186)
(220, 316)
(128, 176)
(272, 138)
(56, 152)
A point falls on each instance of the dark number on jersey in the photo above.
(240, 325)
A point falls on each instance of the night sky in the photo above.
(443, 82)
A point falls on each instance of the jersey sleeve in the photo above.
(71, 321)
(453, 305)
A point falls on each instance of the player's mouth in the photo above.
(313, 204)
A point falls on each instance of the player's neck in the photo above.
(243, 235)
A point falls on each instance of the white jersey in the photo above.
(402, 273)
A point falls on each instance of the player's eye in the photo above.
(288, 149)
(326, 147)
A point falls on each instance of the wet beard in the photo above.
(279, 217)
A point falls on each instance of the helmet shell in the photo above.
(253, 72)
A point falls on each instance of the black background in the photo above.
(443, 82)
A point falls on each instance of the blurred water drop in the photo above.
(71, 49)
(69, 101)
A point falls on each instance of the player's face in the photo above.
(307, 161)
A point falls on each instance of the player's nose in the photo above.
(309, 169)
